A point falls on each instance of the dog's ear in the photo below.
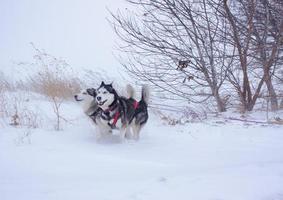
(102, 84)
(91, 92)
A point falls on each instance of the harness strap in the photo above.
(117, 114)
(116, 117)
(136, 104)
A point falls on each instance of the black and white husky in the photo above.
(123, 113)
(86, 98)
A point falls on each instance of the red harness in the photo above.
(116, 117)
(117, 114)
(136, 104)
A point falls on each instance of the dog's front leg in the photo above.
(123, 132)
(103, 129)
(128, 133)
(98, 133)
(136, 131)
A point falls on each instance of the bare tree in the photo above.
(179, 46)
(256, 34)
(267, 33)
(266, 40)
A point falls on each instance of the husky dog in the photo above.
(123, 113)
(87, 100)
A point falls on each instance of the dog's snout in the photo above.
(98, 98)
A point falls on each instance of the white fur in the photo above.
(103, 96)
(87, 103)
(103, 130)
(130, 92)
(145, 93)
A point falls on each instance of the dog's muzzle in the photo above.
(101, 103)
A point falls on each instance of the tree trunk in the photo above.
(221, 107)
(281, 104)
(272, 94)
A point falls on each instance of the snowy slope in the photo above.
(199, 161)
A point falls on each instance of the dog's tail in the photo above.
(130, 91)
(145, 94)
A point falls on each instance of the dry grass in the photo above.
(53, 78)
(54, 84)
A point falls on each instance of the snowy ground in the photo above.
(196, 161)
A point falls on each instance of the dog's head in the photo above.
(86, 95)
(106, 95)
(86, 99)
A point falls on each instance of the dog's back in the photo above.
(136, 111)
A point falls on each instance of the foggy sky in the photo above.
(76, 30)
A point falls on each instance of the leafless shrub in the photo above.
(20, 114)
(3, 106)
(4, 83)
(31, 119)
(56, 105)
(4, 86)
(56, 87)
(193, 115)
(55, 80)
(181, 116)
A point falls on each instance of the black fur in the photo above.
(97, 111)
(91, 92)
(126, 108)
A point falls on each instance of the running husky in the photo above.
(87, 100)
(123, 113)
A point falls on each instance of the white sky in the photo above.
(76, 30)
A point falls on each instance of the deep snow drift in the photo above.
(198, 161)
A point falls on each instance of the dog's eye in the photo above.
(84, 93)
(104, 92)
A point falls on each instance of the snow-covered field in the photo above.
(210, 160)
(215, 159)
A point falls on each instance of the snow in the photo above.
(200, 161)
(214, 159)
